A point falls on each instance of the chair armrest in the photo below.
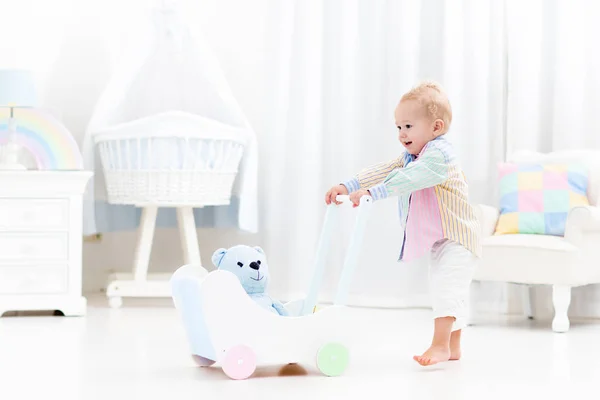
(488, 218)
(582, 221)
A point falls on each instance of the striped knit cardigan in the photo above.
(432, 198)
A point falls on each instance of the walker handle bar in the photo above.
(351, 254)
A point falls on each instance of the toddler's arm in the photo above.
(373, 175)
(429, 170)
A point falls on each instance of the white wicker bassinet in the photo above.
(173, 159)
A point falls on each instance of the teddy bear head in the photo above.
(248, 263)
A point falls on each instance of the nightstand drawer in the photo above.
(33, 214)
(34, 246)
(33, 280)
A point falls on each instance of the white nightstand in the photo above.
(41, 240)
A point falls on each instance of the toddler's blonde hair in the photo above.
(431, 95)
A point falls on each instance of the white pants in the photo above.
(450, 274)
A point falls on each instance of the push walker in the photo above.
(225, 327)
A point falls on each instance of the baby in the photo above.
(437, 218)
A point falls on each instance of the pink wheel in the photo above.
(239, 362)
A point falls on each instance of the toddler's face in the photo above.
(415, 127)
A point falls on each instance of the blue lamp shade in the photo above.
(17, 88)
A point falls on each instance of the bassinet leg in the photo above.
(144, 244)
(189, 238)
(141, 284)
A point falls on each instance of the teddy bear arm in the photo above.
(280, 308)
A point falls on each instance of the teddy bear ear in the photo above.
(217, 256)
(259, 249)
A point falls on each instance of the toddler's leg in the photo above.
(451, 273)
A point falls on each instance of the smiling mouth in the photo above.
(259, 279)
(407, 143)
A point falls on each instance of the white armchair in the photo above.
(563, 262)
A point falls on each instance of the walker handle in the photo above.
(353, 250)
(345, 200)
(331, 217)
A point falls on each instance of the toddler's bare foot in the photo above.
(454, 354)
(455, 345)
(434, 355)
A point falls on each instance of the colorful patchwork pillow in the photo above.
(536, 198)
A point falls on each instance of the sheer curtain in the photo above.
(336, 70)
(519, 75)
(554, 93)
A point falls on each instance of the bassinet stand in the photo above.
(140, 283)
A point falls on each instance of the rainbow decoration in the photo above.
(46, 138)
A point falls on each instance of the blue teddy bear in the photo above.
(249, 264)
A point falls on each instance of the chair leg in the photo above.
(527, 300)
(561, 297)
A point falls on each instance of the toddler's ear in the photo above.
(438, 127)
(259, 249)
(217, 256)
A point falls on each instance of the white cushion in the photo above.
(533, 259)
(532, 242)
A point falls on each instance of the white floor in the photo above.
(140, 352)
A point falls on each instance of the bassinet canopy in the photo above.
(170, 79)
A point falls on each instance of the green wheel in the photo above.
(332, 359)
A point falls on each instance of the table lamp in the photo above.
(17, 90)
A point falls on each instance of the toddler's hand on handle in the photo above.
(355, 197)
(335, 191)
